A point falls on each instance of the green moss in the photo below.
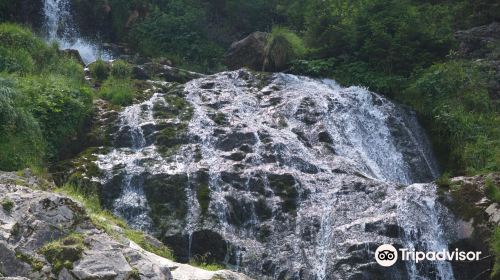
(37, 265)
(135, 275)
(202, 190)
(7, 204)
(219, 118)
(63, 253)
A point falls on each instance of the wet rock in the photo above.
(389, 230)
(325, 137)
(236, 139)
(467, 198)
(248, 52)
(169, 73)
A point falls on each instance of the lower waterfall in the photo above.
(277, 176)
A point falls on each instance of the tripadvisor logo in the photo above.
(386, 255)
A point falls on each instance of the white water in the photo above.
(60, 28)
(370, 137)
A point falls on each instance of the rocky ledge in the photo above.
(46, 235)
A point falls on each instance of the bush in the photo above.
(99, 70)
(21, 140)
(118, 91)
(464, 125)
(120, 70)
(282, 47)
(44, 101)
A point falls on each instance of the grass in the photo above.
(495, 246)
(105, 220)
(118, 91)
(492, 190)
(37, 265)
(206, 266)
(7, 204)
(64, 252)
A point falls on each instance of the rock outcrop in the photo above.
(470, 199)
(249, 52)
(45, 235)
(482, 43)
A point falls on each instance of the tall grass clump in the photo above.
(283, 46)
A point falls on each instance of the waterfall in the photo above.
(60, 28)
(303, 176)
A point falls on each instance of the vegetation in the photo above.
(99, 70)
(105, 220)
(7, 204)
(64, 252)
(44, 101)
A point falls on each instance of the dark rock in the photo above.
(285, 187)
(139, 73)
(479, 42)
(235, 140)
(248, 52)
(325, 137)
(379, 227)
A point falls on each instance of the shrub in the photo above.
(118, 91)
(282, 47)
(464, 125)
(120, 70)
(99, 70)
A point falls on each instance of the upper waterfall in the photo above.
(59, 27)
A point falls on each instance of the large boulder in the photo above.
(248, 52)
(44, 235)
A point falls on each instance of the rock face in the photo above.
(44, 235)
(480, 42)
(277, 176)
(248, 52)
(467, 198)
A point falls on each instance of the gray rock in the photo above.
(248, 52)
(40, 217)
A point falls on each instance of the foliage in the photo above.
(456, 108)
(175, 31)
(120, 70)
(495, 246)
(118, 91)
(99, 70)
(492, 190)
(64, 252)
(282, 47)
(7, 204)
(43, 99)
(201, 262)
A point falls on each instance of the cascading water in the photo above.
(278, 176)
(60, 28)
